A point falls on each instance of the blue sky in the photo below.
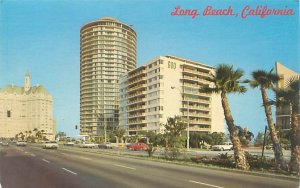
(42, 36)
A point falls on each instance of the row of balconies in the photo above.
(107, 38)
(142, 85)
(195, 78)
(136, 127)
(139, 72)
(136, 101)
(87, 36)
(196, 93)
(137, 122)
(114, 50)
(195, 72)
(136, 94)
(199, 122)
(135, 115)
(129, 48)
(196, 107)
(136, 80)
(136, 108)
(193, 114)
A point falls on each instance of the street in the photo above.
(34, 167)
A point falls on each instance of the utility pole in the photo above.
(264, 143)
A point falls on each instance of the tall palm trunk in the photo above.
(239, 155)
(276, 146)
(295, 141)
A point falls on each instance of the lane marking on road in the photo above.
(45, 160)
(32, 155)
(69, 171)
(26, 152)
(191, 181)
(63, 153)
(85, 158)
(124, 166)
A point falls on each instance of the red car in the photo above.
(139, 146)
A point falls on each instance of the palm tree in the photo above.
(290, 97)
(227, 80)
(267, 80)
(38, 135)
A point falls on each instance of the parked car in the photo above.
(139, 146)
(222, 147)
(50, 145)
(69, 144)
(4, 143)
(88, 145)
(107, 145)
(21, 143)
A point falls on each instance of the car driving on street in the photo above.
(50, 145)
(21, 143)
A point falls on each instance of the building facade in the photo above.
(283, 113)
(107, 50)
(23, 109)
(165, 87)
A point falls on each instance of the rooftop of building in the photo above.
(12, 89)
(106, 19)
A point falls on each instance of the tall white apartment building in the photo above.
(165, 87)
(23, 109)
(107, 50)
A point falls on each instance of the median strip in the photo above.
(191, 181)
(45, 160)
(69, 171)
(124, 166)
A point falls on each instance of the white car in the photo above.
(222, 147)
(88, 145)
(108, 145)
(50, 145)
(69, 144)
(21, 143)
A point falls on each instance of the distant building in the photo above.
(107, 50)
(165, 87)
(283, 114)
(23, 109)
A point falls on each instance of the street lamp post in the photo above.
(188, 119)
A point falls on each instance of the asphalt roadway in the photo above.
(34, 167)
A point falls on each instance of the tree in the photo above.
(60, 135)
(216, 138)
(266, 80)
(290, 96)
(258, 141)
(119, 133)
(227, 80)
(245, 135)
(173, 135)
